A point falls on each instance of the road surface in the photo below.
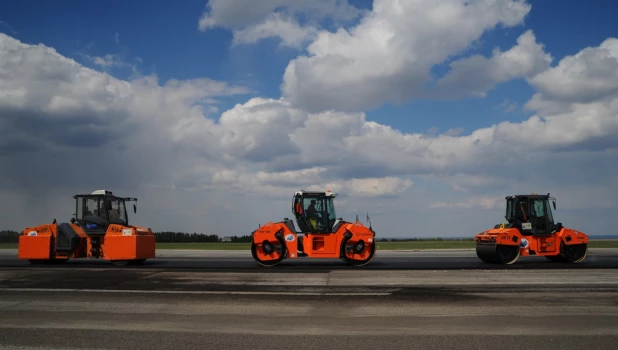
(222, 300)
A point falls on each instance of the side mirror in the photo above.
(135, 209)
(554, 203)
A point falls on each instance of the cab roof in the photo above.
(327, 193)
(104, 193)
(532, 195)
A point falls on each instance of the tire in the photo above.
(574, 253)
(498, 254)
(267, 263)
(362, 262)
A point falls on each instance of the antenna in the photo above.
(368, 220)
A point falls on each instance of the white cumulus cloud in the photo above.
(387, 57)
(588, 76)
(476, 75)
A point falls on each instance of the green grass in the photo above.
(603, 244)
(410, 245)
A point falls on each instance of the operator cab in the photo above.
(96, 211)
(531, 214)
(314, 211)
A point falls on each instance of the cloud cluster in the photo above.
(55, 113)
(388, 56)
(67, 128)
(475, 75)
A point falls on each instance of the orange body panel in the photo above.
(34, 247)
(128, 247)
(321, 245)
(532, 245)
(36, 242)
(118, 243)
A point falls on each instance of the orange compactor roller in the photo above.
(531, 231)
(99, 230)
(322, 234)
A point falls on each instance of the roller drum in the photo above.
(497, 254)
(487, 253)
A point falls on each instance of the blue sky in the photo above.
(144, 38)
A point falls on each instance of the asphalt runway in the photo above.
(223, 300)
(235, 260)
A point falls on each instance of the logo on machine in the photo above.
(523, 243)
(32, 233)
(289, 237)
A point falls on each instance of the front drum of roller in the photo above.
(497, 253)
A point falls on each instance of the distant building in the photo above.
(226, 239)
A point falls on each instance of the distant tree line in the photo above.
(8, 236)
(433, 239)
(183, 237)
(241, 239)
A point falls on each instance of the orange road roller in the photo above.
(99, 230)
(322, 234)
(530, 230)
